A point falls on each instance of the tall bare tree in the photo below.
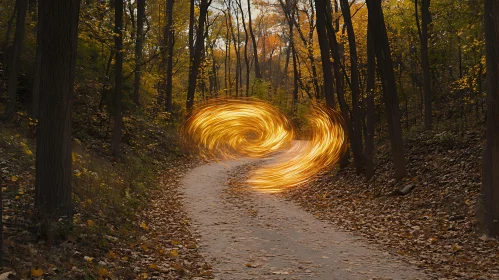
(15, 60)
(170, 42)
(246, 40)
(385, 69)
(370, 119)
(322, 36)
(118, 76)
(198, 51)
(355, 87)
(425, 61)
(139, 42)
(490, 180)
(58, 26)
(258, 72)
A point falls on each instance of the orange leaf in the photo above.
(36, 272)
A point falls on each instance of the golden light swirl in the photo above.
(227, 128)
(306, 158)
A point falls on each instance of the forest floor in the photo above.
(435, 225)
(250, 235)
(129, 220)
(134, 218)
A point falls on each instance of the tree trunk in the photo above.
(258, 73)
(425, 62)
(118, 78)
(385, 68)
(490, 182)
(170, 42)
(289, 10)
(35, 90)
(235, 42)
(7, 36)
(337, 51)
(198, 49)
(59, 27)
(370, 84)
(355, 81)
(296, 76)
(191, 29)
(322, 36)
(141, 8)
(5, 50)
(310, 51)
(22, 7)
(246, 40)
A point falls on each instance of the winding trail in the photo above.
(262, 236)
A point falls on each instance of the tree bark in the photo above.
(246, 40)
(35, 90)
(385, 68)
(258, 73)
(59, 27)
(139, 39)
(22, 7)
(198, 49)
(118, 78)
(355, 81)
(289, 8)
(170, 42)
(370, 84)
(322, 36)
(425, 61)
(237, 49)
(337, 51)
(490, 181)
(5, 50)
(296, 76)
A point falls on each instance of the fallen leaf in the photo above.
(111, 255)
(144, 226)
(102, 272)
(36, 272)
(173, 253)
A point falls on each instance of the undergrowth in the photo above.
(108, 192)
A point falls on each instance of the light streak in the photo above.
(306, 158)
(228, 128)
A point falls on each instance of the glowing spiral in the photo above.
(227, 128)
(306, 158)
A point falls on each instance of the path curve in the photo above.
(275, 239)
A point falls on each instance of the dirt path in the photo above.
(261, 236)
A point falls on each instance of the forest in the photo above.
(249, 139)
